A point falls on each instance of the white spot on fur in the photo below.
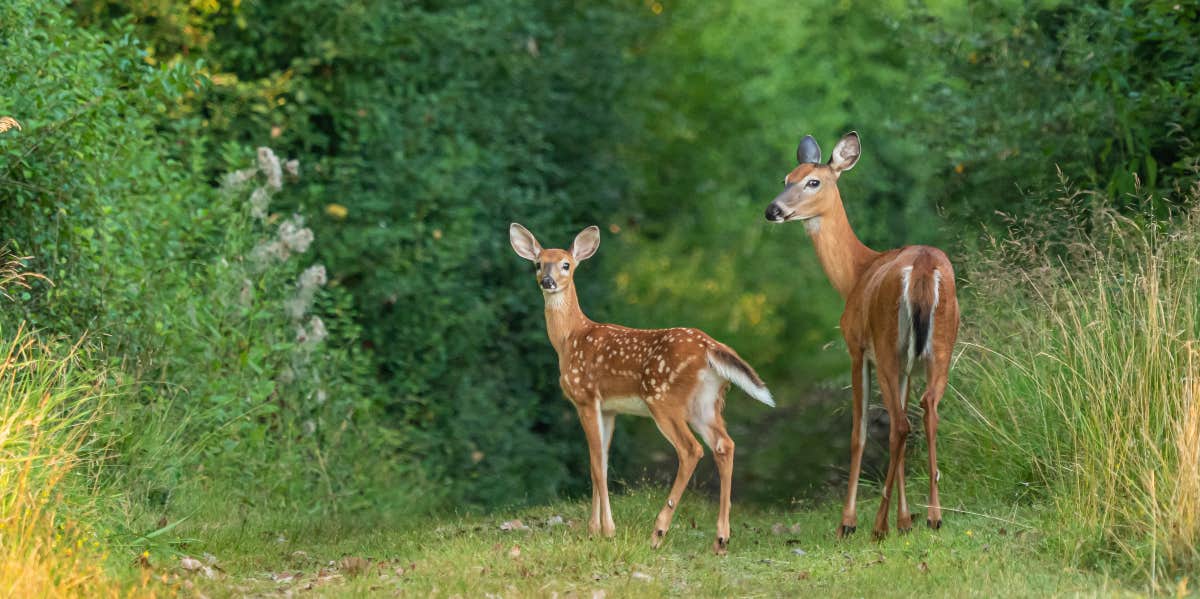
(813, 225)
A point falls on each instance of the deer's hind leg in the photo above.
(707, 420)
(670, 415)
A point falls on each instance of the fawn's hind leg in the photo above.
(672, 422)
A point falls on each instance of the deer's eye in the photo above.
(566, 266)
(813, 183)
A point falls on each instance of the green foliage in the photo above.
(426, 129)
(1101, 91)
(220, 375)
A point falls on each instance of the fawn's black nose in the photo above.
(774, 212)
(548, 283)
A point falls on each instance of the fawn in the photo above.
(677, 376)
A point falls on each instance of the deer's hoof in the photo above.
(720, 546)
(656, 539)
(846, 530)
(935, 524)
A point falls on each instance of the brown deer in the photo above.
(901, 311)
(678, 377)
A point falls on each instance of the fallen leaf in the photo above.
(515, 552)
(599, 594)
(923, 567)
(794, 529)
(641, 576)
(799, 551)
(554, 521)
(190, 564)
(353, 566)
(513, 525)
(777, 528)
(803, 575)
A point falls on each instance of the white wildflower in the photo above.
(259, 200)
(247, 294)
(312, 277)
(269, 251)
(268, 163)
(292, 167)
(235, 180)
(295, 235)
(316, 330)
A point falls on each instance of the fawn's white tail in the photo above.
(735, 370)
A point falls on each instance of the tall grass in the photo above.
(1084, 378)
(48, 401)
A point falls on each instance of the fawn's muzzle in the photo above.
(548, 283)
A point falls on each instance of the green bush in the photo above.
(212, 345)
(425, 129)
(1100, 91)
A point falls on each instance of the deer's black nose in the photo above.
(774, 212)
(548, 282)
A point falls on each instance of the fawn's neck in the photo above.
(563, 317)
(842, 255)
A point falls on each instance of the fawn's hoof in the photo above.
(656, 539)
(934, 524)
(879, 534)
(845, 531)
(721, 546)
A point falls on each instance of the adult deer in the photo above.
(678, 377)
(901, 311)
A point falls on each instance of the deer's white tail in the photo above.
(735, 370)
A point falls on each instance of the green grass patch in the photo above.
(784, 552)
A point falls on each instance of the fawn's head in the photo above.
(554, 267)
(810, 190)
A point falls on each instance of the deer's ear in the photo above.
(808, 151)
(523, 242)
(845, 153)
(586, 243)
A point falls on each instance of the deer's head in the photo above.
(554, 268)
(810, 190)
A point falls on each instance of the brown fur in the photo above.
(602, 367)
(871, 283)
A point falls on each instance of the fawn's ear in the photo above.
(523, 242)
(808, 151)
(845, 153)
(586, 243)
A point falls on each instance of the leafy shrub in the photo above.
(425, 129)
(1099, 90)
(214, 347)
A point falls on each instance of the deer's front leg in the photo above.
(860, 376)
(593, 423)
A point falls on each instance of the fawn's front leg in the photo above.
(593, 422)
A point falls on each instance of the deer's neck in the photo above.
(842, 255)
(563, 317)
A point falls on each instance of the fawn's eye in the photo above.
(813, 183)
(566, 266)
